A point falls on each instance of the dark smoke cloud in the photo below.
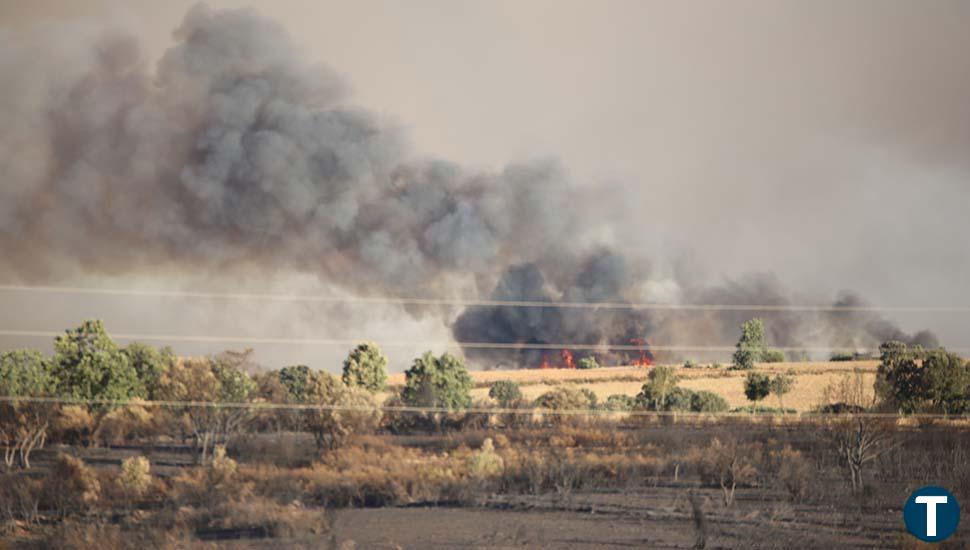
(235, 153)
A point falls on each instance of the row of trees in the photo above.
(90, 385)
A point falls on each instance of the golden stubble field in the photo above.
(811, 380)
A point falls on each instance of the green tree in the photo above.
(366, 367)
(296, 379)
(437, 382)
(946, 382)
(781, 385)
(149, 363)
(757, 386)
(89, 365)
(900, 380)
(588, 362)
(24, 424)
(216, 380)
(506, 392)
(751, 346)
(655, 393)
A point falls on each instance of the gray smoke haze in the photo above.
(235, 152)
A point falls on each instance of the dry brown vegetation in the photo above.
(741, 475)
(130, 477)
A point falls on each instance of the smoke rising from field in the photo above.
(235, 152)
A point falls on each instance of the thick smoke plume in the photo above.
(235, 153)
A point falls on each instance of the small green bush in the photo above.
(757, 386)
(708, 402)
(619, 402)
(505, 392)
(588, 362)
(773, 356)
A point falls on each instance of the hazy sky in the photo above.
(826, 142)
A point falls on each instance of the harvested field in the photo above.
(811, 379)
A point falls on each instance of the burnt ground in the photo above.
(651, 518)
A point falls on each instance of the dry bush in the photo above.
(210, 485)
(71, 487)
(792, 470)
(135, 477)
(123, 424)
(368, 477)
(727, 465)
(284, 449)
(485, 463)
(20, 498)
(73, 425)
(355, 412)
(97, 535)
(260, 517)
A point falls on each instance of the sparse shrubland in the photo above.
(125, 475)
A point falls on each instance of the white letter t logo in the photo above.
(931, 503)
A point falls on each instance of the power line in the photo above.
(317, 298)
(445, 410)
(428, 343)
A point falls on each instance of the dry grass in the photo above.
(811, 380)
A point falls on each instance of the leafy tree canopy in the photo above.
(366, 367)
(437, 382)
(25, 372)
(88, 364)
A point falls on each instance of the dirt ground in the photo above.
(659, 517)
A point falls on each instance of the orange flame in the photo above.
(644, 359)
(567, 359)
(545, 362)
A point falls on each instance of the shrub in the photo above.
(794, 472)
(842, 356)
(437, 382)
(707, 402)
(773, 356)
(751, 345)
(135, 477)
(757, 386)
(73, 425)
(485, 463)
(588, 362)
(728, 465)
(781, 385)
(689, 364)
(222, 468)
(563, 399)
(118, 425)
(679, 399)
(71, 487)
(20, 498)
(366, 367)
(345, 411)
(619, 402)
(505, 392)
(654, 395)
